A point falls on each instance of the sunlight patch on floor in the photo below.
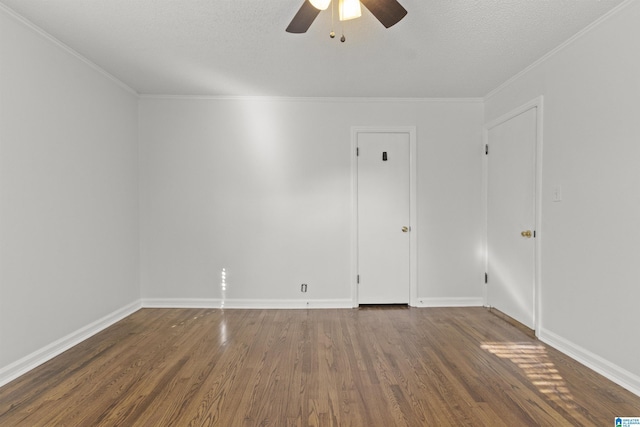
(535, 363)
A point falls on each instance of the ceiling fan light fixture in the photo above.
(349, 9)
(388, 12)
(320, 4)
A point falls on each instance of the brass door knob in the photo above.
(405, 229)
(526, 234)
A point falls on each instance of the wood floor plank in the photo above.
(373, 366)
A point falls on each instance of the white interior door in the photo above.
(511, 217)
(383, 218)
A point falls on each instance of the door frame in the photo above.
(413, 235)
(536, 103)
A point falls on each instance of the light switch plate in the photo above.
(557, 193)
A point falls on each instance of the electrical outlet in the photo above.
(303, 287)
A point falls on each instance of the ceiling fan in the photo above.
(388, 12)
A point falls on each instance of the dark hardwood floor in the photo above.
(368, 367)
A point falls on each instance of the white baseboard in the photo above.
(602, 366)
(244, 303)
(38, 357)
(181, 303)
(449, 302)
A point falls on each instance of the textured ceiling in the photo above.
(443, 48)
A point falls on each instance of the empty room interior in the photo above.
(273, 213)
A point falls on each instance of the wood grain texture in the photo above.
(368, 367)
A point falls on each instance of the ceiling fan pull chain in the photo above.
(332, 34)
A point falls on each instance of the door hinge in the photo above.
(358, 278)
(486, 278)
(357, 151)
(486, 149)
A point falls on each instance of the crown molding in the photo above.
(561, 47)
(268, 98)
(42, 33)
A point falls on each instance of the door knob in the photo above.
(405, 229)
(526, 234)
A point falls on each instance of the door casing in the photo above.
(536, 103)
(413, 258)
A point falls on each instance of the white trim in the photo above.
(413, 210)
(181, 303)
(244, 303)
(613, 372)
(561, 47)
(450, 302)
(48, 352)
(42, 33)
(538, 104)
(354, 219)
(311, 99)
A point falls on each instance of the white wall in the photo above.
(68, 194)
(262, 189)
(591, 239)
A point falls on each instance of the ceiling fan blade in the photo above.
(303, 19)
(388, 12)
